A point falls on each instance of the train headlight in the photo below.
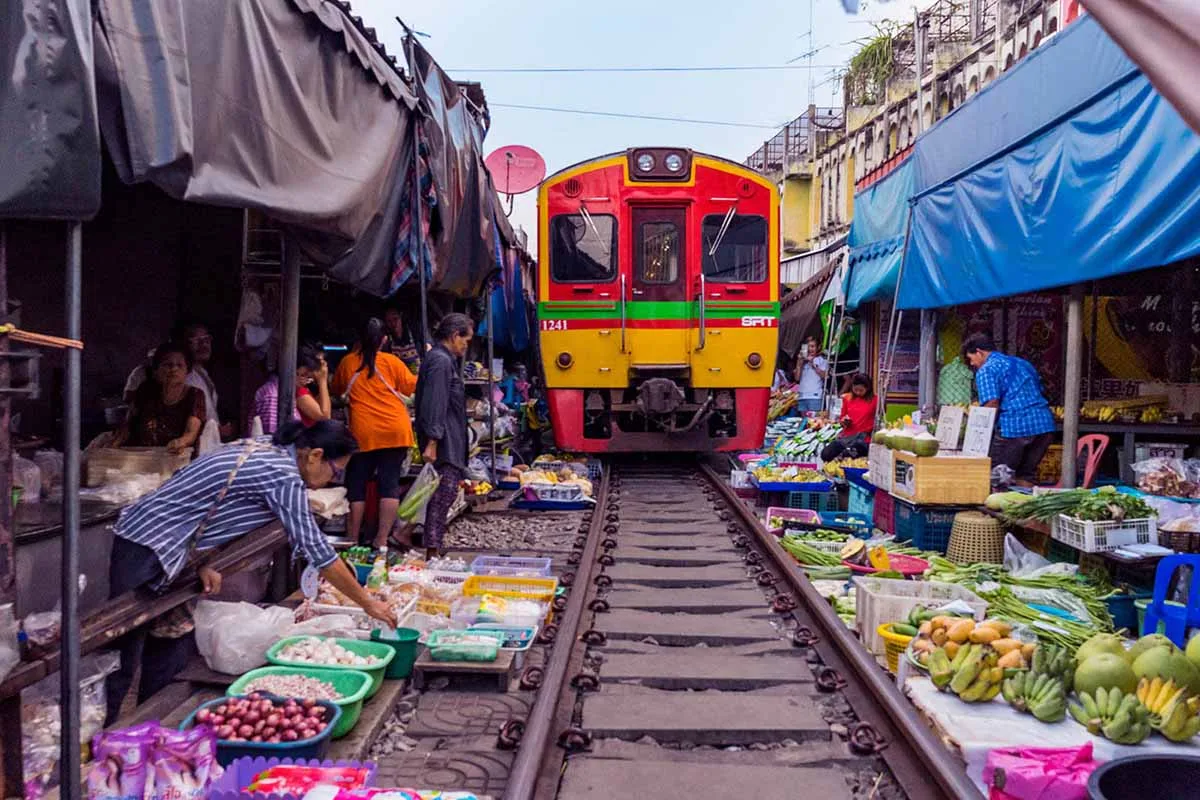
(673, 162)
(754, 361)
(564, 360)
(645, 162)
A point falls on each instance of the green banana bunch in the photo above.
(941, 668)
(1056, 661)
(976, 679)
(1041, 694)
(1119, 717)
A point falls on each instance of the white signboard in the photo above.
(880, 467)
(949, 427)
(978, 440)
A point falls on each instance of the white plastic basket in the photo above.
(880, 600)
(1091, 536)
(556, 492)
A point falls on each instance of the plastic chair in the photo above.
(1177, 618)
(1090, 449)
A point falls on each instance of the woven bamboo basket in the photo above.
(976, 538)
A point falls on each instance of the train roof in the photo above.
(623, 153)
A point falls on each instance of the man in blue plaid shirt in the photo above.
(1024, 424)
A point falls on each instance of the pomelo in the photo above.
(1169, 664)
(1145, 643)
(1100, 643)
(1106, 670)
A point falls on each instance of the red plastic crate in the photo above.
(884, 514)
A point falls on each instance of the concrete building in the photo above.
(823, 156)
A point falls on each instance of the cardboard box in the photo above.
(942, 479)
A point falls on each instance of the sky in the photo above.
(467, 37)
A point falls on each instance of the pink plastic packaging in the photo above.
(1039, 773)
(121, 766)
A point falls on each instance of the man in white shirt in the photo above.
(811, 369)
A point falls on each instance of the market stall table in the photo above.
(977, 728)
(1130, 432)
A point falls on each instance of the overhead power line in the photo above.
(619, 115)
(742, 68)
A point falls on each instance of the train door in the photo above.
(659, 302)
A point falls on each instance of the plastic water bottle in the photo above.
(378, 574)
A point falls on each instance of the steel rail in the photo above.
(921, 764)
(536, 739)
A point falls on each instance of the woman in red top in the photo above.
(859, 406)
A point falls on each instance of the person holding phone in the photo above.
(811, 369)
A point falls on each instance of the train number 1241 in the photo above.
(554, 324)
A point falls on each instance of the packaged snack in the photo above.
(121, 763)
(183, 764)
(333, 793)
(297, 779)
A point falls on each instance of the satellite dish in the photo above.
(516, 168)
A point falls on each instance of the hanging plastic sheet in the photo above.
(49, 139)
(1097, 176)
(518, 320)
(245, 103)
(463, 250)
(877, 237)
(799, 309)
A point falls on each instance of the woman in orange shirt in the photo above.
(374, 385)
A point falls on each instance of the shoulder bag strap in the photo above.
(250, 449)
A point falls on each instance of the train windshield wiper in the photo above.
(591, 223)
(712, 251)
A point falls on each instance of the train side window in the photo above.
(660, 252)
(741, 254)
(583, 251)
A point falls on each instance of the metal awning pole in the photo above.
(927, 376)
(492, 377)
(1072, 379)
(289, 344)
(69, 758)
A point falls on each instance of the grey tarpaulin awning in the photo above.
(49, 140)
(798, 308)
(244, 103)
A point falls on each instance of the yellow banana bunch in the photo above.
(1174, 714)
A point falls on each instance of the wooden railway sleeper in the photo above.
(510, 735)
(865, 740)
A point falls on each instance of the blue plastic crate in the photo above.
(856, 476)
(862, 502)
(814, 501)
(927, 527)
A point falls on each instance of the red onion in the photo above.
(202, 716)
(225, 732)
(222, 709)
(290, 736)
(273, 720)
(246, 731)
(267, 733)
(256, 739)
(274, 740)
(251, 717)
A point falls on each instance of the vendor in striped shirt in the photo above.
(214, 500)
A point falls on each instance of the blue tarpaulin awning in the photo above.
(877, 237)
(1055, 174)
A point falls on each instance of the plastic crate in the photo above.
(813, 501)
(856, 476)
(881, 600)
(594, 470)
(553, 492)
(884, 513)
(1092, 536)
(540, 589)
(513, 566)
(861, 502)
(927, 527)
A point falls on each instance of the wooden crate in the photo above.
(941, 479)
(107, 463)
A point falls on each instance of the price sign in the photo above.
(978, 440)
(310, 581)
(949, 426)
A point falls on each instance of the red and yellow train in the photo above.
(658, 302)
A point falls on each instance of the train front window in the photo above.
(660, 252)
(583, 249)
(740, 256)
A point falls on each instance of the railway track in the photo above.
(692, 659)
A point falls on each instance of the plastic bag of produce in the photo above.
(234, 637)
(1019, 559)
(1166, 477)
(412, 507)
(1039, 773)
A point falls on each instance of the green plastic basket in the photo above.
(351, 684)
(381, 651)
